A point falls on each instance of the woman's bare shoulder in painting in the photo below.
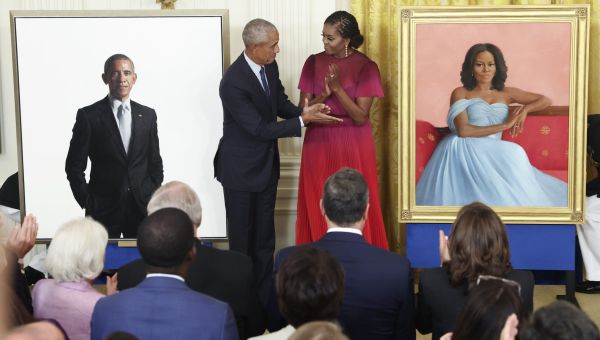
(457, 94)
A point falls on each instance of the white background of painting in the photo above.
(178, 61)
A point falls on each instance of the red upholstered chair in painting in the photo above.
(545, 140)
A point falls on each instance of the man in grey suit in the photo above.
(120, 138)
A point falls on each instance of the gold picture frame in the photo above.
(413, 21)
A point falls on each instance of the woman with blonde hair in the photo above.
(477, 245)
(75, 259)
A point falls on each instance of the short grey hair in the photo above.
(178, 195)
(77, 251)
(256, 30)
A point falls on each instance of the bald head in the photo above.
(178, 195)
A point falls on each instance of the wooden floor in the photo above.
(546, 294)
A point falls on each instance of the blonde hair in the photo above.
(77, 251)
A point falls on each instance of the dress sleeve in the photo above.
(369, 84)
(307, 81)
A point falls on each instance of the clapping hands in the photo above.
(22, 238)
(444, 252)
(318, 113)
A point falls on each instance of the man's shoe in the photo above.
(588, 287)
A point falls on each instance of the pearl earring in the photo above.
(346, 51)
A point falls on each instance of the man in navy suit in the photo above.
(162, 306)
(211, 271)
(247, 160)
(121, 140)
(378, 301)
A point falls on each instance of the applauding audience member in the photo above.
(559, 320)
(378, 302)
(211, 271)
(310, 287)
(162, 306)
(75, 258)
(20, 241)
(492, 311)
(478, 245)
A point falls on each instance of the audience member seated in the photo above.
(492, 311)
(10, 215)
(162, 306)
(211, 271)
(378, 301)
(310, 287)
(478, 245)
(45, 330)
(75, 258)
(319, 330)
(20, 241)
(588, 233)
(559, 320)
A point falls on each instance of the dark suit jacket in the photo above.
(439, 303)
(113, 172)
(378, 302)
(248, 155)
(223, 275)
(163, 308)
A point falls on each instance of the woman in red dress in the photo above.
(347, 81)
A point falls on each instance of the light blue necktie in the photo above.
(124, 128)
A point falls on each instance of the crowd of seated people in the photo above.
(338, 287)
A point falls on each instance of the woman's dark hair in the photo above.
(347, 26)
(310, 286)
(486, 309)
(559, 320)
(477, 245)
(466, 74)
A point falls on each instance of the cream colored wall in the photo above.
(299, 24)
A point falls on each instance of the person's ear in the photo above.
(366, 214)
(321, 207)
(105, 79)
(134, 78)
(191, 254)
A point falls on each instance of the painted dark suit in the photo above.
(121, 183)
(247, 161)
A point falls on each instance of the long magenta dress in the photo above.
(327, 148)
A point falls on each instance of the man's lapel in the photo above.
(111, 126)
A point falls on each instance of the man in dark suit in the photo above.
(121, 140)
(162, 306)
(224, 275)
(247, 160)
(378, 301)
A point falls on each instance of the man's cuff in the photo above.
(301, 121)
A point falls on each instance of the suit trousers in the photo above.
(125, 219)
(251, 230)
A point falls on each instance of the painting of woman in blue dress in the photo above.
(472, 163)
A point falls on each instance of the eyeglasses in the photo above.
(508, 282)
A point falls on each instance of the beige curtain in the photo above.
(378, 24)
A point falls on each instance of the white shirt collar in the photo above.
(344, 230)
(177, 277)
(254, 66)
(115, 103)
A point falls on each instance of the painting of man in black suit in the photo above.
(247, 159)
(120, 138)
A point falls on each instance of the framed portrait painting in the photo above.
(58, 61)
(493, 105)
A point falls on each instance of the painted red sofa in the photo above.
(545, 140)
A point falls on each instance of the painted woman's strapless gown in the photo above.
(485, 169)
